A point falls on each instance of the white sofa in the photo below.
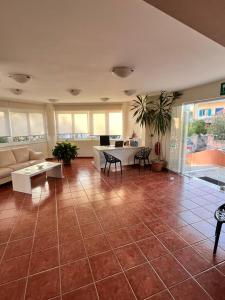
(15, 159)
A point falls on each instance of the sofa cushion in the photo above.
(5, 172)
(19, 166)
(6, 158)
(21, 154)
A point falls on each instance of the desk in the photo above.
(125, 154)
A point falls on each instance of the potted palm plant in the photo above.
(155, 114)
(65, 151)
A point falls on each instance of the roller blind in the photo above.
(36, 124)
(3, 127)
(99, 123)
(80, 123)
(19, 124)
(64, 123)
(115, 123)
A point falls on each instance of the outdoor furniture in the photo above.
(111, 160)
(220, 217)
(142, 155)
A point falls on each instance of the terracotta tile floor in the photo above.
(92, 237)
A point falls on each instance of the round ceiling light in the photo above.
(104, 99)
(75, 92)
(16, 91)
(129, 92)
(122, 71)
(21, 78)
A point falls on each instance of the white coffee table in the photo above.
(21, 179)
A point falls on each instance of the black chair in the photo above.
(111, 160)
(142, 155)
(220, 217)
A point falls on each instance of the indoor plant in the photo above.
(65, 151)
(155, 113)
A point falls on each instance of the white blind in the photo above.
(80, 123)
(99, 124)
(3, 128)
(36, 124)
(64, 123)
(19, 124)
(115, 123)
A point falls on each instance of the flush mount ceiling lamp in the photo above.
(21, 78)
(122, 71)
(16, 91)
(129, 92)
(104, 99)
(75, 92)
(53, 100)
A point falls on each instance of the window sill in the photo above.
(5, 145)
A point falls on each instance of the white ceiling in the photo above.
(75, 43)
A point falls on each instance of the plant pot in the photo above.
(67, 162)
(158, 165)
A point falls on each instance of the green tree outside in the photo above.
(197, 127)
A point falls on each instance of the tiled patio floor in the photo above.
(139, 236)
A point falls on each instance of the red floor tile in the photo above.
(192, 261)
(85, 293)
(214, 283)
(205, 228)
(161, 296)
(114, 288)
(129, 256)
(119, 238)
(89, 230)
(43, 285)
(71, 251)
(172, 241)
(69, 234)
(96, 244)
(152, 248)
(45, 241)
(18, 248)
(190, 234)
(44, 260)
(13, 291)
(157, 226)
(169, 270)
(139, 232)
(144, 281)
(189, 290)
(14, 268)
(104, 265)
(75, 275)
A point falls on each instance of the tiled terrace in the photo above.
(139, 236)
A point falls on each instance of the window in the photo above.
(99, 124)
(205, 112)
(80, 123)
(88, 125)
(19, 126)
(16, 126)
(115, 123)
(219, 110)
(4, 132)
(64, 123)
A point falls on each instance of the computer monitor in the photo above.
(104, 140)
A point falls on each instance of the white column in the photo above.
(51, 126)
